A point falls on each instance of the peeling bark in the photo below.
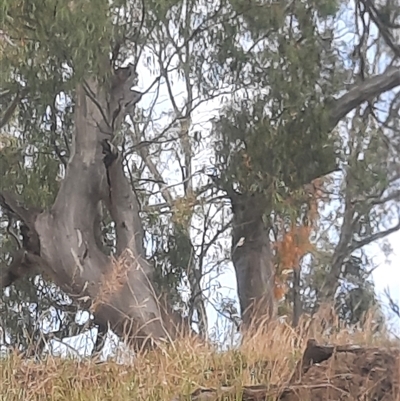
(64, 240)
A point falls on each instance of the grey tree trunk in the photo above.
(63, 241)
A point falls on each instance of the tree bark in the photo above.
(64, 242)
(253, 260)
(297, 305)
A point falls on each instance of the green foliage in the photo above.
(264, 16)
(170, 259)
(270, 155)
(53, 46)
(276, 138)
(370, 173)
(50, 35)
(30, 171)
(260, 17)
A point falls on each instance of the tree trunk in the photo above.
(253, 261)
(63, 241)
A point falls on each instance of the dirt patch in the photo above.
(327, 373)
(348, 373)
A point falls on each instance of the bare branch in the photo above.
(392, 304)
(382, 26)
(374, 237)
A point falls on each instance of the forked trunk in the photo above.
(64, 241)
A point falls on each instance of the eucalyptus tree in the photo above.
(285, 132)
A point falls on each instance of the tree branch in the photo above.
(373, 238)
(360, 93)
(27, 217)
(124, 207)
(376, 17)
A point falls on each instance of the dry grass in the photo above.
(178, 368)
